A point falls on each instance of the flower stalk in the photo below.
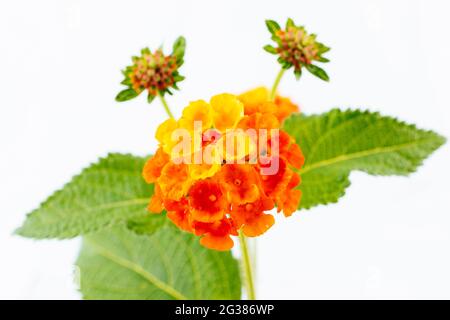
(247, 267)
(273, 92)
(166, 106)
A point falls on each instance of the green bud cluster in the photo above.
(297, 48)
(153, 72)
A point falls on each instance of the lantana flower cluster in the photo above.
(235, 188)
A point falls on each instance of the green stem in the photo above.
(275, 84)
(247, 267)
(165, 105)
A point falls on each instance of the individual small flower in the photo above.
(153, 72)
(231, 174)
(297, 48)
(174, 181)
(203, 170)
(288, 201)
(164, 135)
(258, 224)
(154, 165)
(207, 201)
(257, 100)
(240, 181)
(252, 99)
(287, 149)
(252, 218)
(227, 111)
(216, 235)
(197, 111)
(178, 213)
(236, 145)
(285, 107)
(156, 204)
(275, 184)
(259, 121)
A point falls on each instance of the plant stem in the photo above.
(275, 84)
(247, 267)
(165, 105)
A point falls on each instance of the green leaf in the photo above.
(298, 74)
(145, 51)
(323, 48)
(337, 142)
(147, 224)
(126, 94)
(106, 193)
(270, 49)
(273, 26)
(284, 64)
(178, 77)
(275, 38)
(318, 72)
(289, 23)
(179, 47)
(150, 98)
(126, 81)
(167, 264)
(323, 60)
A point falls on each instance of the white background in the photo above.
(60, 65)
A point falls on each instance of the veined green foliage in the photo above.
(106, 193)
(118, 263)
(337, 142)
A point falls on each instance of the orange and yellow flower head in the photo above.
(224, 165)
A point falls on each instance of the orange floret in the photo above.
(289, 200)
(288, 149)
(153, 166)
(240, 182)
(274, 184)
(207, 201)
(252, 218)
(216, 235)
(285, 108)
(174, 181)
(256, 100)
(259, 121)
(178, 213)
(258, 225)
(156, 204)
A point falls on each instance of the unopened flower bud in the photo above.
(297, 48)
(153, 72)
